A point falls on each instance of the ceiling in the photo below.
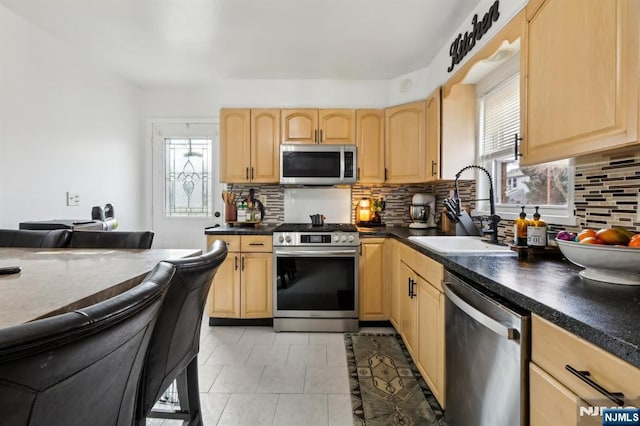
(178, 43)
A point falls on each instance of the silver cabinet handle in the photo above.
(488, 322)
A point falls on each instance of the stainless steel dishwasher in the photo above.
(487, 354)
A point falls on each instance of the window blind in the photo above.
(501, 116)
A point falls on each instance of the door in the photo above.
(224, 296)
(186, 192)
(433, 136)
(374, 291)
(337, 126)
(299, 125)
(409, 314)
(431, 337)
(405, 153)
(235, 146)
(265, 146)
(370, 141)
(256, 289)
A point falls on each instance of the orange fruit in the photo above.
(635, 243)
(612, 236)
(635, 237)
(591, 240)
(586, 234)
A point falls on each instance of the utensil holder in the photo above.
(230, 212)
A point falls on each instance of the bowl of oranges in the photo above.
(610, 255)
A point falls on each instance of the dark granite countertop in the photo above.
(261, 229)
(606, 315)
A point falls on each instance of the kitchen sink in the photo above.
(463, 245)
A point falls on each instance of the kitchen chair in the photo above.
(111, 239)
(81, 367)
(175, 342)
(38, 239)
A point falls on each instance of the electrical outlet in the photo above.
(263, 199)
(73, 199)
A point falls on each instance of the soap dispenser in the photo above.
(537, 231)
(520, 229)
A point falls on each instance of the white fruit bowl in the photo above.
(610, 264)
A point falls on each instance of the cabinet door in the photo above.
(337, 126)
(370, 142)
(396, 285)
(580, 78)
(373, 293)
(405, 147)
(224, 295)
(265, 146)
(433, 136)
(409, 315)
(235, 145)
(299, 125)
(430, 358)
(257, 290)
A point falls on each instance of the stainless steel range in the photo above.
(315, 277)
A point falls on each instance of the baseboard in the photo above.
(267, 322)
(384, 323)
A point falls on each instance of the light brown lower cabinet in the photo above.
(557, 394)
(373, 281)
(418, 313)
(242, 287)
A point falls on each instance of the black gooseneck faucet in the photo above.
(494, 219)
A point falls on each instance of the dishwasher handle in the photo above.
(493, 325)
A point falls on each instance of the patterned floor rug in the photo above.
(386, 387)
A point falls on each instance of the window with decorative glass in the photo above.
(549, 185)
(187, 177)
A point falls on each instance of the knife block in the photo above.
(446, 225)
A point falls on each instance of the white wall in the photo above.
(206, 102)
(425, 80)
(65, 125)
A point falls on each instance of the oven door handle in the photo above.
(301, 253)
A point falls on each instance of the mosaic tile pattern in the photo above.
(398, 198)
(607, 190)
(274, 207)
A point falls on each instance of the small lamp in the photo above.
(363, 211)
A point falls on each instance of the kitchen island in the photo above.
(54, 281)
(603, 314)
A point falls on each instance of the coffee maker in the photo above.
(423, 211)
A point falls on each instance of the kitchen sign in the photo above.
(463, 44)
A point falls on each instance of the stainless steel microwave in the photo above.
(313, 164)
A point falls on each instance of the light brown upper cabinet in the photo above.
(406, 143)
(459, 117)
(330, 126)
(370, 142)
(433, 113)
(579, 77)
(249, 145)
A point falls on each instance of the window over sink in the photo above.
(549, 185)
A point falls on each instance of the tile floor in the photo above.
(254, 376)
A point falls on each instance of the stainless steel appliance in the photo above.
(487, 353)
(423, 211)
(315, 277)
(312, 164)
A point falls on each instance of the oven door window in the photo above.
(311, 164)
(315, 283)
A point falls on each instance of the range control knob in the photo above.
(281, 239)
(287, 238)
(336, 238)
(350, 238)
(343, 238)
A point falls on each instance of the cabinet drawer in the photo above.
(233, 241)
(554, 348)
(256, 243)
(408, 255)
(430, 270)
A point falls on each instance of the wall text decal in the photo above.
(463, 44)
